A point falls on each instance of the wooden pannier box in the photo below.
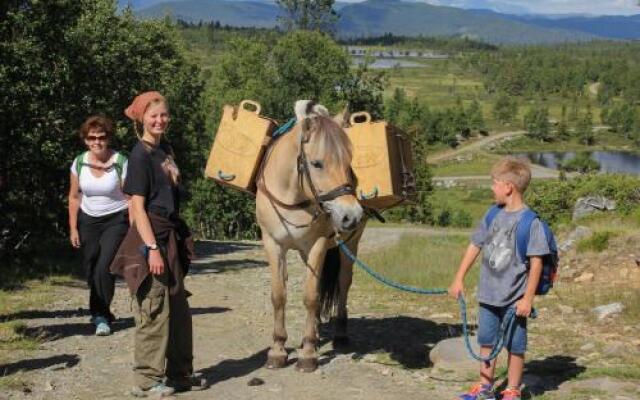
(239, 146)
(382, 162)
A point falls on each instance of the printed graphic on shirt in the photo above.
(500, 248)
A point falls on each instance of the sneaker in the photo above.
(102, 326)
(511, 394)
(478, 392)
(189, 383)
(158, 390)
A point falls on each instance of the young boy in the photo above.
(505, 282)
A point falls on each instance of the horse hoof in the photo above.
(341, 342)
(276, 362)
(307, 364)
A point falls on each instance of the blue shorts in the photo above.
(489, 322)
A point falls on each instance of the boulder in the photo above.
(608, 310)
(585, 277)
(580, 232)
(451, 355)
(590, 204)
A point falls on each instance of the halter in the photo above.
(318, 200)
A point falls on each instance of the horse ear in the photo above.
(342, 118)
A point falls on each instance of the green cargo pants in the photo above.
(163, 336)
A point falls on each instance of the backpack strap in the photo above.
(523, 233)
(491, 214)
(118, 164)
(79, 163)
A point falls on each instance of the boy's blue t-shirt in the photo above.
(503, 277)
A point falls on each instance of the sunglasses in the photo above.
(91, 138)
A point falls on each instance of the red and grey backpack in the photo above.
(523, 231)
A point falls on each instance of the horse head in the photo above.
(324, 165)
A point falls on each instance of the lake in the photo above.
(387, 63)
(610, 161)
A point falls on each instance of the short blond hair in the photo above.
(513, 170)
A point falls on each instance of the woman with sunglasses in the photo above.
(98, 214)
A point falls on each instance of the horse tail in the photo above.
(330, 282)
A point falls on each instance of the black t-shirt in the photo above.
(146, 177)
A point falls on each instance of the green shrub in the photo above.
(597, 242)
(554, 200)
(444, 218)
(461, 219)
(582, 162)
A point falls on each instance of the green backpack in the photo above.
(118, 164)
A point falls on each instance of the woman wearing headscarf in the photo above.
(155, 255)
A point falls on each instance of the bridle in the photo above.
(304, 174)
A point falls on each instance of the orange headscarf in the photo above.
(139, 105)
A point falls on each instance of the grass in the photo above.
(439, 83)
(473, 164)
(597, 242)
(419, 261)
(604, 141)
(34, 294)
(475, 201)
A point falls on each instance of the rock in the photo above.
(255, 382)
(580, 232)
(565, 309)
(590, 204)
(624, 272)
(588, 347)
(440, 316)
(451, 354)
(49, 386)
(370, 358)
(607, 310)
(585, 277)
(617, 349)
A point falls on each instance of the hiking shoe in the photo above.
(478, 392)
(511, 394)
(158, 390)
(102, 326)
(193, 383)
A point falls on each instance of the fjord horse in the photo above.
(306, 196)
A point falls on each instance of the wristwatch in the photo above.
(153, 246)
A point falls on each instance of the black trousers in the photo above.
(100, 238)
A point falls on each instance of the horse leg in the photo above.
(277, 356)
(340, 337)
(308, 355)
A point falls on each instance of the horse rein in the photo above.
(304, 174)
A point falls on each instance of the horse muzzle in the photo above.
(345, 217)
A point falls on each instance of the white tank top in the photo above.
(101, 196)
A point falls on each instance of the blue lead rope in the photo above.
(506, 329)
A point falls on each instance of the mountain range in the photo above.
(409, 18)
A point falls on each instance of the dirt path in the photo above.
(537, 172)
(475, 145)
(232, 329)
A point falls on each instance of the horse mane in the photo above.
(331, 138)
